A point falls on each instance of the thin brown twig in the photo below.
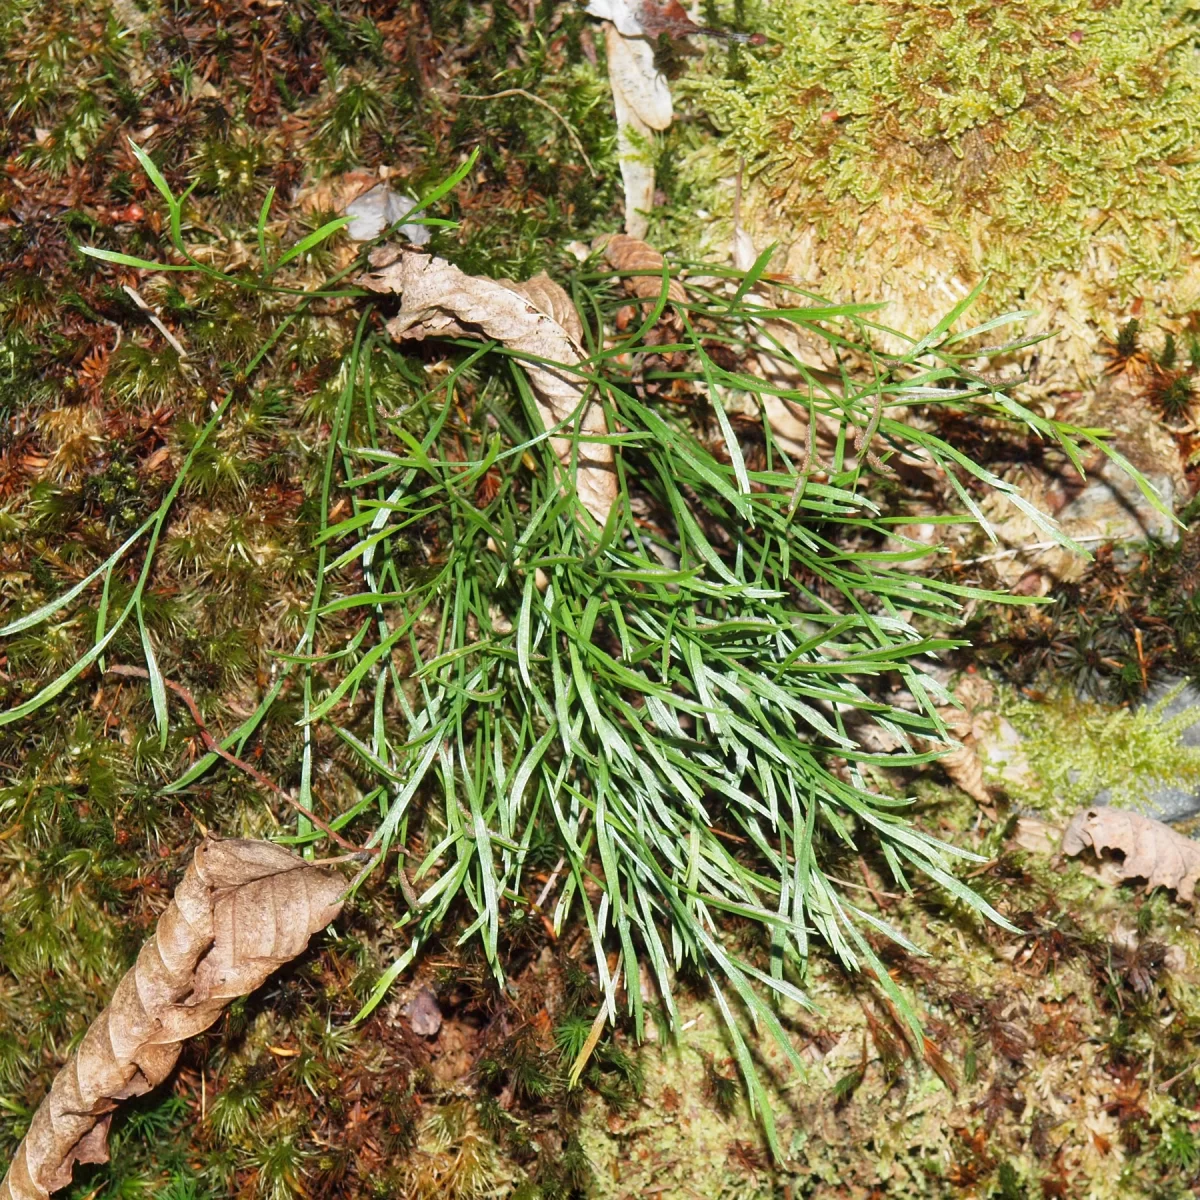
(550, 109)
(216, 748)
(1141, 658)
(876, 895)
(1166, 1084)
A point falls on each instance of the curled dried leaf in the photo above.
(1037, 836)
(439, 300)
(242, 910)
(550, 298)
(335, 192)
(964, 764)
(630, 254)
(1153, 851)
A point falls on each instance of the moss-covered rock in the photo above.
(903, 151)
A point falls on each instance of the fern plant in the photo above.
(678, 704)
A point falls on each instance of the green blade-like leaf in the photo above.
(158, 689)
(314, 239)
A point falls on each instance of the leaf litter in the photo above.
(866, 1124)
(641, 267)
(641, 99)
(242, 910)
(1151, 850)
(439, 300)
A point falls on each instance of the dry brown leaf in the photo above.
(626, 253)
(1037, 836)
(964, 765)
(439, 300)
(242, 910)
(333, 193)
(1153, 851)
(547, 296)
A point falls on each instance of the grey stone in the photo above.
(1112, 506)
(423, 1013)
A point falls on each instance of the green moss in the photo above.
(89, 849)
(1012, 137)
(1078, 748)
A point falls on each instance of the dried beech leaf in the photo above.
(963, 764)
(333, 193)
(439, 300)
(632, 72)
(1036, 835)
(626, 253)
(241, 911)
(547, 296)
(981, 730)
(1153, 851)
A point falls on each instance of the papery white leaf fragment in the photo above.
(632, 72)
(642, 100)
(377, 208)
(744, 253)
(621, 13)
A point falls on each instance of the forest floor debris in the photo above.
(1060, 1060)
